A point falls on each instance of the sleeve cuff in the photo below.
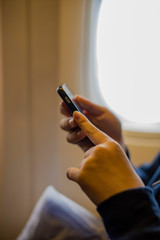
(129, 211)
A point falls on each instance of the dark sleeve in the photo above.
(133, 214)
(150, 173)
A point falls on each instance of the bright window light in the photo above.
(128, 57)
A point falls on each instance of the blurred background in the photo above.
(44, 43)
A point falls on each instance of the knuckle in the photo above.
(70, 138)
(61, 126)
(114, 146)
(89, 152)
(64, 124)
(73, 137)
(100, 149)
(106, 148)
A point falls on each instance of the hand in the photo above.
(101, 117)
(105, 169)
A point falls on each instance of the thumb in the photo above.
(88, 105)
(94, 134)
(73, 173)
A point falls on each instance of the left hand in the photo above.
(99, 116)
(105, 169)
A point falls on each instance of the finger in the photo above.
(94, 134)
(65, 110)
(75, 136)
(67, 124)
(85, 144)
(73, 173)
(89, 152)
(88, 105)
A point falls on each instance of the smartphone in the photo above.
(67, 97)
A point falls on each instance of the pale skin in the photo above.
(105, 169)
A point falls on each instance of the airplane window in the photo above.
(128, 59)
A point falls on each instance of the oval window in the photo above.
(128, 58)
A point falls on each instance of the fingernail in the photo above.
(76, 115)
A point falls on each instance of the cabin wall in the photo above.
(39, 49)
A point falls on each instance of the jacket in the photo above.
(135, 214)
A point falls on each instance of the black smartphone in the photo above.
(67, 97)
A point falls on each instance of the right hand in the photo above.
(105, 169)
(100, 116)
